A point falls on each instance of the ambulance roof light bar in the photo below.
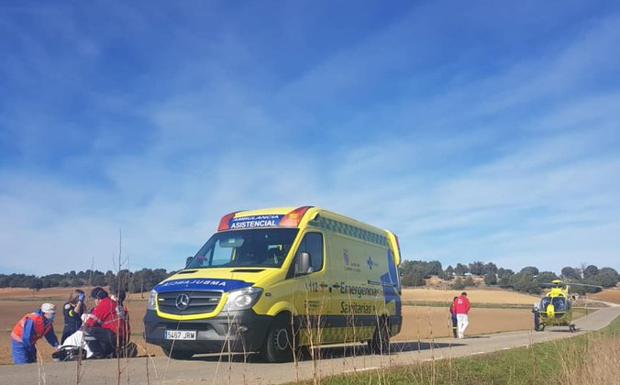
(293, 218)
(225, 221)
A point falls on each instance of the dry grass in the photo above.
(590, 359)
(599, 366)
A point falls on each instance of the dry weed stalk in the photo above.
(597, 365)
(41, 369)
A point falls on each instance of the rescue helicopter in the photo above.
(555, 307)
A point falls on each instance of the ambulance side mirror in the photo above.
(188, 261)
(302, 265)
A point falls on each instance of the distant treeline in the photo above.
(529, 279)
(413, 273)
(133, 282)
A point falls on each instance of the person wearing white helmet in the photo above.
(29, 330)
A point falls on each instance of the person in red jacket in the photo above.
(461, 308)
(105, 327)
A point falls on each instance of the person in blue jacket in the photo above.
(453, 318)
(29, 330)
(73, 310)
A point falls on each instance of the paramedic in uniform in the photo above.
(72, 311)
(105, 324)
(29, 330)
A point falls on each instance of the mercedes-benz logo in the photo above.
(182, 301)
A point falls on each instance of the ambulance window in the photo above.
(245, 248)
(221, 254)
(313, 244)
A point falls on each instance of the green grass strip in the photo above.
(543, 363)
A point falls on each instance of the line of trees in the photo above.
(529, 279)
(133, 282)
(413, 273)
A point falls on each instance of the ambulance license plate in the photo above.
(180, 334)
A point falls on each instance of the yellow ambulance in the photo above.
(276, 280)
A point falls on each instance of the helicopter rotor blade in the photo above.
(586, 285)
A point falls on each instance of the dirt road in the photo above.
(208, 370)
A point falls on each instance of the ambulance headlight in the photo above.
(243, 299)
(152, 304)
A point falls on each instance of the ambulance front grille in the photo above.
(200, 302)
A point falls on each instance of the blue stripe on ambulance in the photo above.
(223, 285)
(390, 283)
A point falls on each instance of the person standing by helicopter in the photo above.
(536, 313)
(461, 308)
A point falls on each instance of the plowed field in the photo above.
(481, 296)
(420, 322)
(609, 295)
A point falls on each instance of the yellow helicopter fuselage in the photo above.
(555, 308)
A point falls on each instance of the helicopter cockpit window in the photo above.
(560, 304)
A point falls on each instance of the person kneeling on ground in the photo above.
(29, 330)
(104, 328)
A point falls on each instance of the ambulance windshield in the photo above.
(246, 248)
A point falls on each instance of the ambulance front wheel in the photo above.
(279, 343)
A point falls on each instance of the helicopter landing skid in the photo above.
(539, 328)
(572, 328)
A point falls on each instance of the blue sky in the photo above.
(482, 131)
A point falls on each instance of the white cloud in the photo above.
(476, 171)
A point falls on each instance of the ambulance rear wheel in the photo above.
(380, 343)
(278, 345)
